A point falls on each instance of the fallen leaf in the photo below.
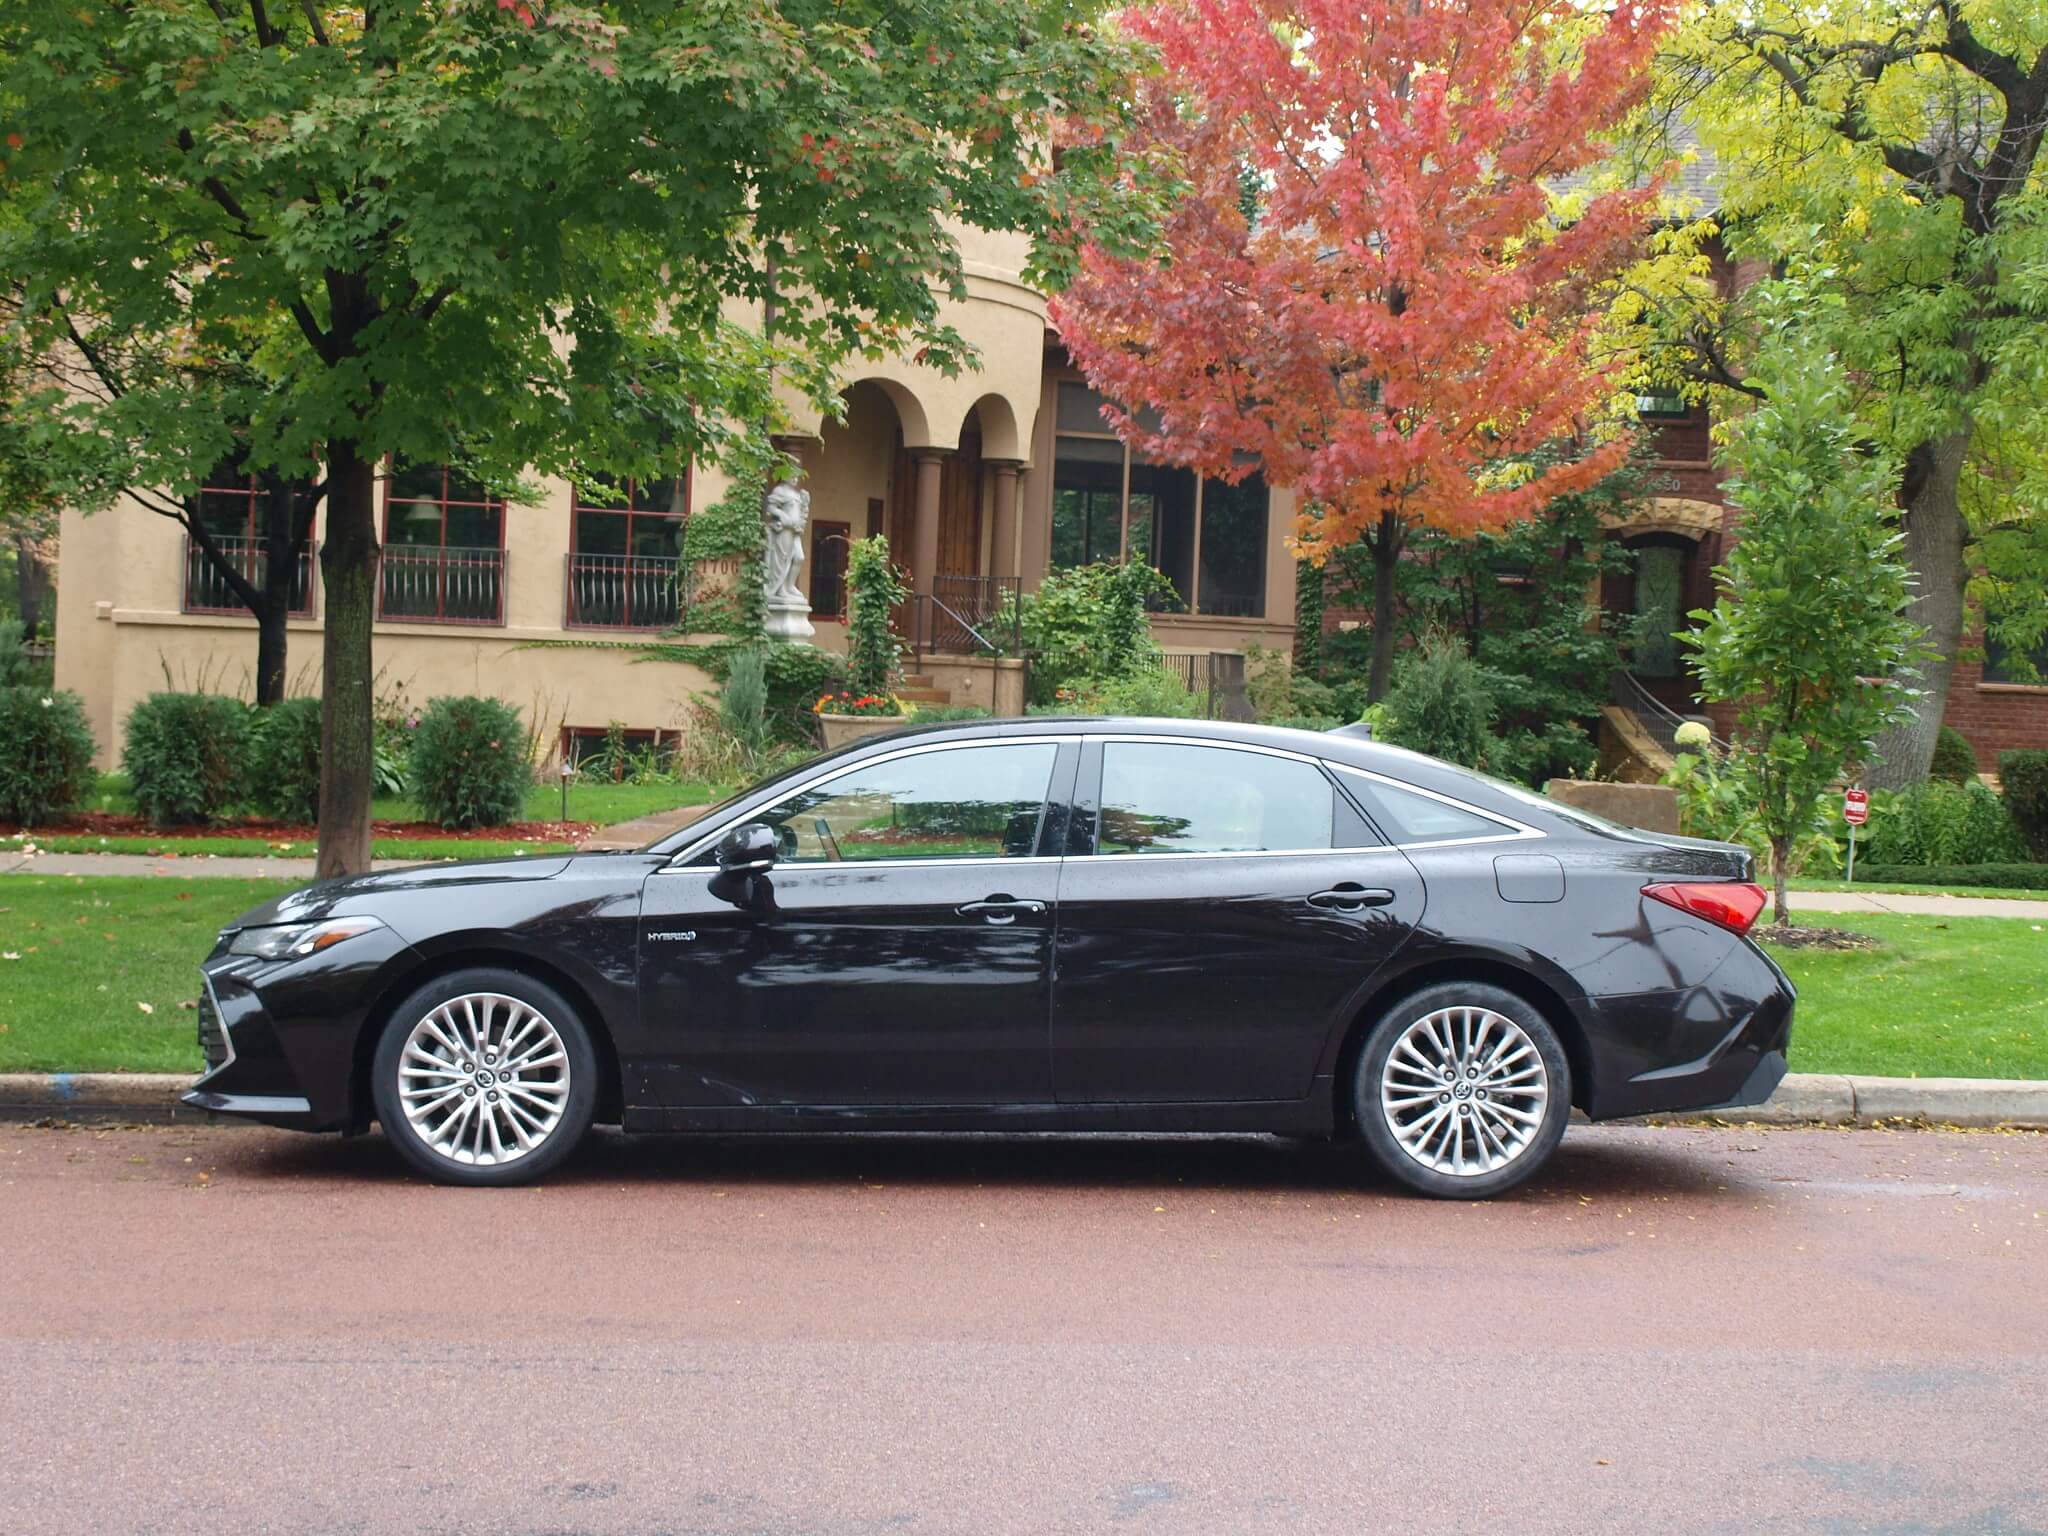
(147, 1007)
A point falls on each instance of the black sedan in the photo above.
(1133, 925)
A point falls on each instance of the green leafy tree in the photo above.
(1810, 634)
(1890, 153)
(510, 235)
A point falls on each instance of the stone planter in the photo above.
(1652, 807)
(841, 729)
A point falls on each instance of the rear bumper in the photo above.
(1719, 1045)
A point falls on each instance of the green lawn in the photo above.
(1944, 997)
(1885, 888)
(96, 971)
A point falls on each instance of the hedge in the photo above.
(2004, 877)
(187, 757)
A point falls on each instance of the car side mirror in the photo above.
(747, 850)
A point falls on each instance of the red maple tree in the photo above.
(1368, 291)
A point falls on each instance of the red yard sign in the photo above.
(1856, 806)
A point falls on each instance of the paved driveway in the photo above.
(213, 1330)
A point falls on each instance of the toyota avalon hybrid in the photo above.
(1042, 924)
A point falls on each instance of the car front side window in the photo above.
(970, 802)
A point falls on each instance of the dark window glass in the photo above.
(1087, 501)
(1080, 410)
(1163, 524)
(600, 533)
(227, 502)
(1234, 548)
(1408, 817)
(962, 803)
(2012, 664)
(828, 568)
(1180, 799)
(1660, 601)
(431, 505)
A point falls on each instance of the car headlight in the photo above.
(294, 941)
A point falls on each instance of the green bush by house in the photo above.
(1954, 759)
(45, 754)
(285, 761)
(2024, 776)
(187, 757)
(469, 765)
(2002, 877)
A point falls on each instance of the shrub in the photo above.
(743, 705)
(2024, 777)
(187, 757)
(1440, 703)
(285, 760)
(1153, 690)
(1942, 823)
(1954, 759)
(469, 765)
(798, 676)
(45, 754)
(2003, 877)
(16, 670)
(874, 592)
(1088, 622)
(938, 714)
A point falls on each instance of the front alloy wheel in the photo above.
(485, 1077)
(1463, 1090)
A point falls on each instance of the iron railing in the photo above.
(621, 592)
(967, 616)
(207, 590)
(442, 586)
(1659, 719)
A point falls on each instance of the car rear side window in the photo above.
(968, 802)
(1409, 817)
(1160, 797)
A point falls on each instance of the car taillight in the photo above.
(1730, 904)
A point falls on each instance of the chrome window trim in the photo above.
(678, 862)
(1515, 831)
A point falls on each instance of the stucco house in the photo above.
(982, 482)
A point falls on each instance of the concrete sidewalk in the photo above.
(1919, 906)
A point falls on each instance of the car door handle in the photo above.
(999, 910)
(1350, 898)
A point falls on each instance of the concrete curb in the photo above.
(1818, 1098)
(1803, 1098)
(95, 1096)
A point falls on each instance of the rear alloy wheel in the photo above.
(1463, 1090)
(485, 1077)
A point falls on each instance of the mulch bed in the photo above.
(108, 824)
(1814, 938)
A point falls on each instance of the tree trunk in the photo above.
(348, 572)
(1781, 862)
(1935, 540)
(1386, 560)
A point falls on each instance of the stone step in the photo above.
(924, 695)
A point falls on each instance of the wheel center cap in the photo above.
(485, 1079)
(1462, 1091)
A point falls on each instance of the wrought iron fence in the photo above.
(207, 590)
(442, 586)
(1659, 719)
(967, 616)
(621, 592)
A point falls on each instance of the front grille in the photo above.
(213, 1037)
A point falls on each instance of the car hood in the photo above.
(359, 893)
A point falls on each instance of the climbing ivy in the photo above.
(729, 526)
(874, 592)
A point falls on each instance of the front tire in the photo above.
(1462, 1090)
(485, 1076)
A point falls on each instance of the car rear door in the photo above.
(899, 954)
(1222, 910)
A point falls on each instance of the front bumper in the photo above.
(280, 1039)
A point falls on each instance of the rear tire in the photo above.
(485, 1076)
(1462, 1090)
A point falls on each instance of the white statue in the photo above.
(788, 608)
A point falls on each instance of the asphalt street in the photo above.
(212, 1330)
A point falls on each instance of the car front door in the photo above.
(1224, 909)
(898, 952)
